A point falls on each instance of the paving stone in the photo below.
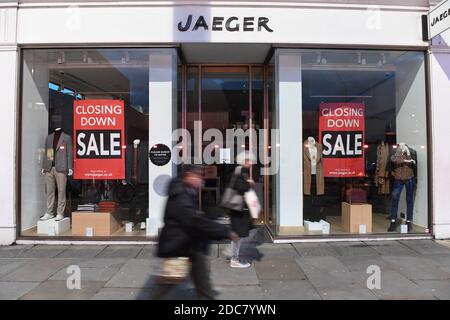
(57, 290)
(13, 251)
(81, 252)
(326, 273)
(353, 248)
(289, 290)
(348, 294)
(14, 290)
(416, 267)
(37, 270)
(101, 263)
(438, 288)
(9, 265)
(440, 261)
(426, 246)
(148, 252)
(43, 251)
(279, 269)
(394, 286)
(391, 248)
(315, 249)
(253, 292)
(126, 252)
(123, 294)
(222, 274)
(280, 250)
(88, 274)
(361, 263)
(135, 273)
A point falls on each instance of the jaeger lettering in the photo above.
(231, 24)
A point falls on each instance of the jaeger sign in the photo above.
(230, 24)
(439, 19)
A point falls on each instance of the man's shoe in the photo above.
(59, 217)
(46, 216)
(238, 264)
(392, 227)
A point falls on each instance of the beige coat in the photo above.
(307, 170)
(382, 174)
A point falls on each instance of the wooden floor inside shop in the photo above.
(380, 224)
(32, 232)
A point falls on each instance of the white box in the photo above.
(152, 229)
(312, 226)
(52, 227)
(362, 228)
(89, 232)
(325, 227)
(129, 227)
(403, 228)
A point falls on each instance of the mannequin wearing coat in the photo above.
(313, 180)
(56, 166)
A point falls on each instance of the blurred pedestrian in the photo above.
(241, 220)
(187, 232)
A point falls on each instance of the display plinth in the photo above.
(102, 223)
(52, 227)
(354, 215)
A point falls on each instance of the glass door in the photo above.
(220, 101)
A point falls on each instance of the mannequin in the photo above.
(56, 166)
(313, 180)
(404, 163)
(382, 173)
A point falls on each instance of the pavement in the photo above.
(410, 269)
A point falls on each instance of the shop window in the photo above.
(364, 158)
(84, 142)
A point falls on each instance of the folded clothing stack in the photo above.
(87, 207)
(108, 206)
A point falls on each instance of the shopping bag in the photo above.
(173, 270)
(251, 199)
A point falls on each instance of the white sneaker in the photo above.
(238, 264)
(46, 216)
(59, 217)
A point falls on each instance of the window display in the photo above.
(364, 127)
(85, 126)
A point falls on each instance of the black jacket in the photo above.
(186, 229)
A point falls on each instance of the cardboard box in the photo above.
(102, 223)
(354, 215)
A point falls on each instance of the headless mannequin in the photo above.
(311, 202)
(403, 156)
(312, 148)
(56, 137)
(54, 183)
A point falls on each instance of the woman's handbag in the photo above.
(231, 199)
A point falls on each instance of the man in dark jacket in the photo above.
(187, 232)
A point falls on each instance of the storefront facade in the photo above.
(342, 105)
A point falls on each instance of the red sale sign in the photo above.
(98, 127)
(341, 133)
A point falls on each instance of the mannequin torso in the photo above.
(312, 148)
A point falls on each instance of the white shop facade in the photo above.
(104, 101)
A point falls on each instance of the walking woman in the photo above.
(241, 221)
